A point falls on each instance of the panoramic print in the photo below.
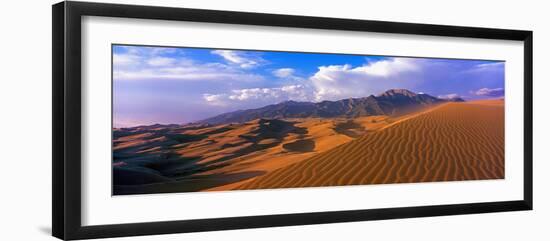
(199, 119)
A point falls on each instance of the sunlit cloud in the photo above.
(240, 58)
(284, 72)
(487, 67)
(496, 92)
(216, 99)
(343, 81)
(161, 61)
(120, 60)
(150, 63)
(275, 95)
(449, 96)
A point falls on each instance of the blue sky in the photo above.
(181, 85)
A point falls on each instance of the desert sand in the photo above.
(453, 141)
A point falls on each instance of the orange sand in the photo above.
(453, 141)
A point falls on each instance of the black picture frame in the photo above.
(66, 159)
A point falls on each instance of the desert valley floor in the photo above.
(451, 141)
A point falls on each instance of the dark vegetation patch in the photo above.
(349, 128)
(183, 138)
(305, 145)
(218, 130)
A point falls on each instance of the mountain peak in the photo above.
(393, 92)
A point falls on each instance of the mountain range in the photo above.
(391, 103)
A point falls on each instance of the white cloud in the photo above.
(161, 61)
(125, 59)
(496, 92)
(343, 81)
(269, 95)
(239, 58)
(449, 96)
(490, 65)
(161, 50)
(148, 63)
(217, 100)
(386, 68)
(185, 74)
(288, 92)
(284, 72)
(496, 66)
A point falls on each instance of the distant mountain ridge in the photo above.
(391, 102)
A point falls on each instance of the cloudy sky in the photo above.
(180, 85)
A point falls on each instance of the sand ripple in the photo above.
(454, 141)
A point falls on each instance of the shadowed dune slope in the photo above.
(174, 158)
(454, 141)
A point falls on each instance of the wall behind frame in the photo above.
(25, 97)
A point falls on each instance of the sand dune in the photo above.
(321, 136)
(453, 141)
(223, 157)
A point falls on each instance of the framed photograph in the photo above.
(169, 120)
